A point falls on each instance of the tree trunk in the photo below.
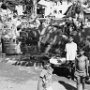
(35, 7)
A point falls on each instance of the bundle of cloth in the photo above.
(57, 60)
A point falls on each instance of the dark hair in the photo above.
(81, 50)
(71, 36)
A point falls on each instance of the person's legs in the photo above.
(72, 69)
(3, 56)
(79, 83)
(72, 74)
(83, 83)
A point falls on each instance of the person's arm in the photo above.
(66, 48)
(76, 63)
(86, 61)
(76, 47)
(76, 51)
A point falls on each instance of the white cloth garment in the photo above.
(57, 60)
(71, 51)
(19, 9)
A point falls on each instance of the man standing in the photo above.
(71, 52)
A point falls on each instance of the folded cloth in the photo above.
(78, 74)
(57, 61)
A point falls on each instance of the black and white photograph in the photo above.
(44, 44)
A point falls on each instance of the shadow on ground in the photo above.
(67, 86)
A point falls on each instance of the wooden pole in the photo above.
(35, 7)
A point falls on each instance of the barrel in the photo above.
(9, 48)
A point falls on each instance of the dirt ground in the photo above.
(26, 78)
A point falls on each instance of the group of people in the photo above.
(80, 62)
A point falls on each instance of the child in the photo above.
(81, 70)
(45, 79)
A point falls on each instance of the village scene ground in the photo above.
(26, 78)
(33, 31)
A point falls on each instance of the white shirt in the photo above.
(71, 51)
(19, 9)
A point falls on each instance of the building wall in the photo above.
(87, 16)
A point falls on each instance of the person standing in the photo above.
(3, 48)
(71, 53)
(45, 79)
(81, 70)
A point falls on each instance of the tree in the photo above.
(35, 7)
